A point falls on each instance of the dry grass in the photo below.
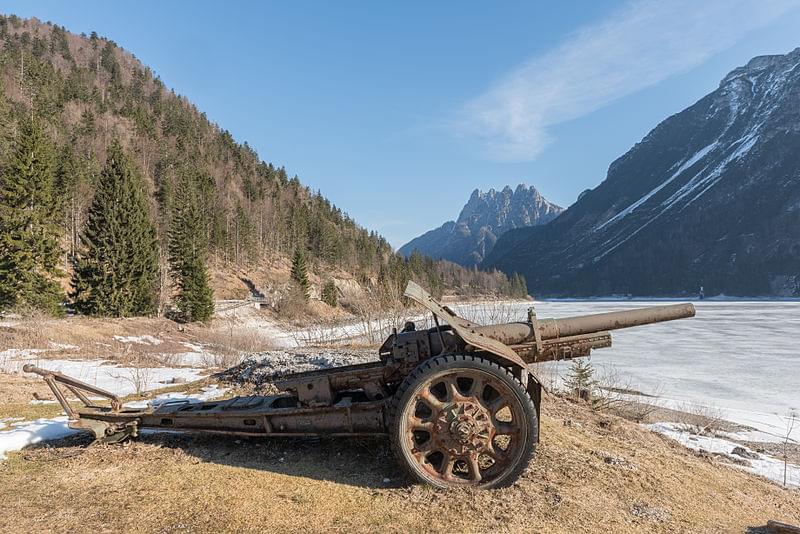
(592, 472)
(94, 338)
(233, 339)
(701, 419)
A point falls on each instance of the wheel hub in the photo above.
(463, 427)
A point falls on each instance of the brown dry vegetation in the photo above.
(592, 473)
(93, 338)
(85, 338)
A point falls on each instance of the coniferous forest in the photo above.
(117, 193)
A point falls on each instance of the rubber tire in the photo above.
(444, 363)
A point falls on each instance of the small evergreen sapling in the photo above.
(300, 272)
(580, 380)
(330, 294)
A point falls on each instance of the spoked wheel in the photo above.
(463, 421)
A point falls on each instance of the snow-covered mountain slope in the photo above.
(710, 197)
(484, 218)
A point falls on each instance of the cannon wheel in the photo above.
(463, 420)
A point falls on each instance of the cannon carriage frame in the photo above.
(458, 401)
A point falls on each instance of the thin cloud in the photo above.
(639, 45)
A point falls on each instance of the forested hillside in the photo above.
(86, 93)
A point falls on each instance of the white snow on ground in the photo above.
(141, 340)
(197, 356)
(195, 347)
(742, 357)
(9, 354)
(28, 433)
(106, 375)
(368, 331)
(251, 320)
(766, 466)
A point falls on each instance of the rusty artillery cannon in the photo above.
(458, 401)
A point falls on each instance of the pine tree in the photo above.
(187, 255)
(29, 224)
(300, 271)
(330, 295)
(580, 380)
(116, 273)
(519, 288)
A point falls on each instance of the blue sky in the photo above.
(397, 111)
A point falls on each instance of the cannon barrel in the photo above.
(517, 333)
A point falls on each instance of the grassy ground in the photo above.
(592, 472)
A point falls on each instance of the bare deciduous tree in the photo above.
(790, 420)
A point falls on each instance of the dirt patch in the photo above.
(21, 389)
(592, 472)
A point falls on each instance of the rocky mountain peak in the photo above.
(759, 64)
(485, 216)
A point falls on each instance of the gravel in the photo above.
(259, 370)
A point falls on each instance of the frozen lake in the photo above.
(740, 356)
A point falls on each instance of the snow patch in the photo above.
(194, 347)
(711, 179)
(763, 465)
(30, 433)
(111, 377)
(19, 353)
(687, 164)
(141, 340)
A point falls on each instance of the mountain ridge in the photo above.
(710, 197)
(486, 216)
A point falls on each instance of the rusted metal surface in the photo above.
(782, 528)
(540, 340)
(563, 348)
(459, 427)
(451, 428)
(517, 333)
(472, 335)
